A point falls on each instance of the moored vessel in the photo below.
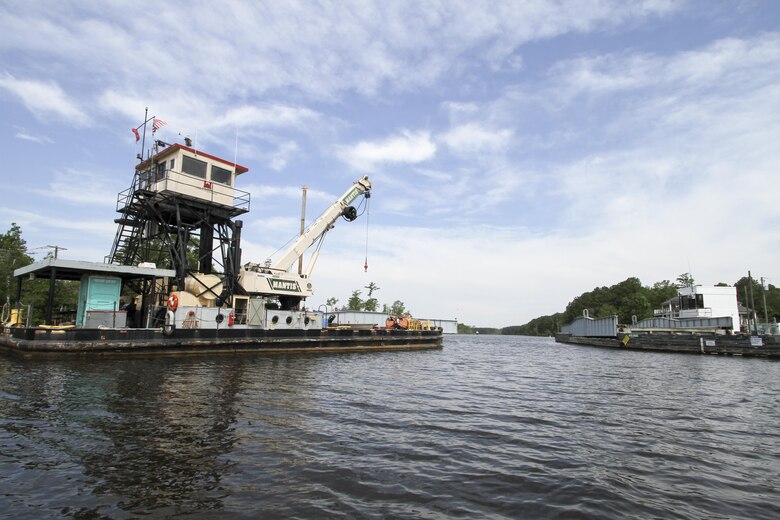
(176, 260)
(699, 320)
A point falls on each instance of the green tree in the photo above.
(773, 302)
(465, 329)
(332, 302)
(371, 305)
(660, 292)
(371, 288)
(355, 303)
(13, 255)
(398, 308)
(771, 294)
(685, 280)
(541, 326)
(35, 293)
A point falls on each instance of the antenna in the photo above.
(235, 153)
(690, 273)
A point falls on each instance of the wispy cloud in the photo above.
(25, 136)
(317, 51)
(271, 115)
(408, 147)
(80, 187)
(474, 138)
(282, 154)
(45, 99)
(723, 64)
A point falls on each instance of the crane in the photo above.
(273, 279)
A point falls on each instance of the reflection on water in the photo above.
(488, 427)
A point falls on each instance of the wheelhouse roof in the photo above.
(75, 269)
(176, 146)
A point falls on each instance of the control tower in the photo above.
(179, 214)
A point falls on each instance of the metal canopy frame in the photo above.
(55, 269)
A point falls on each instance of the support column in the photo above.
(18, 301)
(206, 248)
(50, 304)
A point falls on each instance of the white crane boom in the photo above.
(273, 278)
(320, 226)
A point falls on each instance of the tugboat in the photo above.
(178, 250)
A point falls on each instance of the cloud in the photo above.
(474, 138)
(407, 148)
(314, 52)
(277, 115)
(45, 99)
(268, 191)
(281, 156)
(80, 187)
(44, 227)
(41, 139)
(725, 63)
(130, 106)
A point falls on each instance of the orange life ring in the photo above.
(173, 302)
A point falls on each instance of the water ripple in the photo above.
(489, 427)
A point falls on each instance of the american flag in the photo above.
(157, 123)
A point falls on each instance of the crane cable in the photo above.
(368, 202)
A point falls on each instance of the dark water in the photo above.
(489, 427)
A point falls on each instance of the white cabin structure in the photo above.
(703, 301)
(185, 171)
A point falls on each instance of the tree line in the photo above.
(35, 293)
(630, 298)
(370, 304)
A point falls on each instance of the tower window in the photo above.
(220, 175)
(193, 167)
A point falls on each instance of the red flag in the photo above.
(137, 137)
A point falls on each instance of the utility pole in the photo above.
(763, 293)
(57, 250)
(303, 226)
(752, 302)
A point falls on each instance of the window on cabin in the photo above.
(159, 173)
(173, 161)
(687, 302)
(692, 302)
(193, 167)
(220, 175)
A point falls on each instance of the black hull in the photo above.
(30, 342)
(738, 345)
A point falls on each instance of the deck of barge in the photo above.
(41, 341)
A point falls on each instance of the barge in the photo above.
(174, 282)
(29, 342)
(765, 346)
(700, 320)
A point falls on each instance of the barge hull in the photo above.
(717, 344)
(33, 342)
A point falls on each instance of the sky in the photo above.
(521, 153)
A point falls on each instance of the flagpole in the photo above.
(143, 141)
